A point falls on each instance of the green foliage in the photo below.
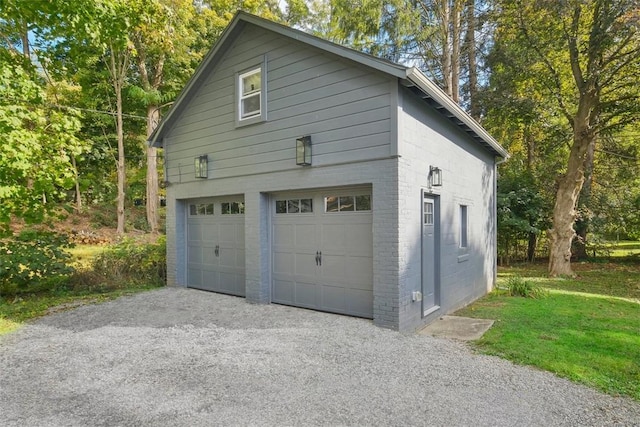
(37, 144)
(519, 287)
(129, 263)
(34, 261)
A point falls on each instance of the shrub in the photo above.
(34, 261)
(131, 263)
(518, 287)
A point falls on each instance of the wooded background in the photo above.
(83, 83)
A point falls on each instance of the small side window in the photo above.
(464, 226)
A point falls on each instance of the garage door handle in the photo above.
(217, 251)
(320, 259)
(317, 258)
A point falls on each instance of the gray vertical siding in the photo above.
(343, 106)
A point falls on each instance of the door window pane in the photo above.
(428, 213)
(363, 203)
(331, 204)
(347, 203)
(293, 206)
(306, 205)
(281, 206)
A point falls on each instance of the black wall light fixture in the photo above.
(303, 151)
(202, 166)
(435, 176)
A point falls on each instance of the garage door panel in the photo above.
(305, 264)
(215, 248)
(228, 233)
(283, 262)
(360, 302)
(333, 238)
(306, 294)
(359, 238)
(194, 274)
(344, 241)
(228, 257)
(334, 267)
(333, 298)
(283, 235)
(360, 272)
(305, 236)
(283, 291)
(209, 232)
(194, 233)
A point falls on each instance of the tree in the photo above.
(588, 54)
(162, 41)
(38, 141)
(437, 36)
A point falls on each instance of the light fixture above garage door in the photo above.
(202, 166)
(303, 151)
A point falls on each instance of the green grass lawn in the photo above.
(587, 329)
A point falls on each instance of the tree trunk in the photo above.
(531, 247)
(455, 49)
(24, 36)
(117, 69)
(472, 63)
(77, 183)
(121, 164)
(446, 47)
(153, 116)
(564, 212)
(582, 224)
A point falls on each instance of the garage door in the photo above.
(215, 245)
(323, 251)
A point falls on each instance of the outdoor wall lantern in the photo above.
(202, 166)
(435, 176)
(303, 151)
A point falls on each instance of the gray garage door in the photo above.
(215, 245)
(323, 251)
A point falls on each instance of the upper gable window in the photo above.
(250, 90)
(250, 93)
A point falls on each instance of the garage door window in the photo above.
(201, 209)
(292, 206)
(352, 203)
(232, 208)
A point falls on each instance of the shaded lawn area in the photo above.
(587, 329)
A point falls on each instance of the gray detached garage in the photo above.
(301, 172)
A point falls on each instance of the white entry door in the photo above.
(215, 245)
(322, 255)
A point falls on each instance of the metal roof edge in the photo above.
(416, 77)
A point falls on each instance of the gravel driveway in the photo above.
(177, 357)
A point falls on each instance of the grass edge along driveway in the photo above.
(587, 329)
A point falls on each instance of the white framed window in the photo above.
(294, 206)
(201, 209)
(427, 212)
(251, 102)
(464, 226)
(349, 203)
(232, 208)
(250, 93)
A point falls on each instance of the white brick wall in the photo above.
(468, 179)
